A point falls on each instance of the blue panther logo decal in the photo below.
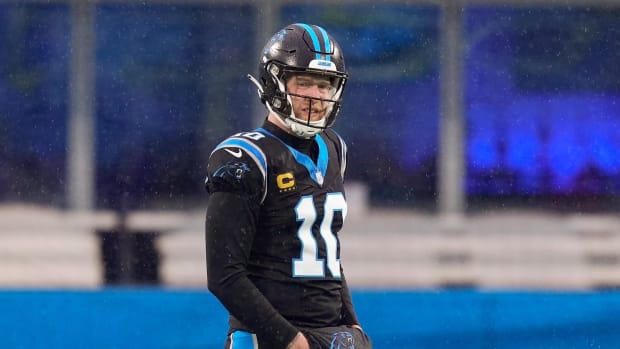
(232, 169)
(278, 38)
(342, 340)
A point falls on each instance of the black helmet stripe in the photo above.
(316, 42)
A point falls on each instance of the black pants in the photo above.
(340, 337)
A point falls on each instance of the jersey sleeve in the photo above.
(349, 317)
(237, 166)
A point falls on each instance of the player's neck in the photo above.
(303, 145)
(276, 121)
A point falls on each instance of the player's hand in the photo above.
(299, 342)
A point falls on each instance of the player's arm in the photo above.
(349, 317)
(235, 187)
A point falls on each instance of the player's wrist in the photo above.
(357, 326)
(292, 343)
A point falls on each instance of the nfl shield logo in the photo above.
(319, 177)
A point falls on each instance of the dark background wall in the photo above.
(541, 104)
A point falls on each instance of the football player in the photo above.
(277, 203)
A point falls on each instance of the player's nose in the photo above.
(314, 91)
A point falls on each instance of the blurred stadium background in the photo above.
(483, 180)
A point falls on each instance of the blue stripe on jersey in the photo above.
(315, 39)
(242, 340)
(314, 170)
(249, 147)
(323, 155)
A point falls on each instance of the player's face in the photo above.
(306, 93)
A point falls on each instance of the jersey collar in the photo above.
(316, 170)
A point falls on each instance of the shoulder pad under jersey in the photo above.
(238, 165)
(341, 145)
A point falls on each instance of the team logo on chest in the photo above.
(286, 182)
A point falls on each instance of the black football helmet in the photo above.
(300, 49)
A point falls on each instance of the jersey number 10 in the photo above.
(309, 264)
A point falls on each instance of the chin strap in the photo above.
(303, 131)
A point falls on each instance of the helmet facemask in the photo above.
(301, 49)
(282, 102)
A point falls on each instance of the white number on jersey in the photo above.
(251, 135)
(309, 264)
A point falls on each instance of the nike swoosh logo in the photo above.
(236, 154)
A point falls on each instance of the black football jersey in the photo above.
(298, 207)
